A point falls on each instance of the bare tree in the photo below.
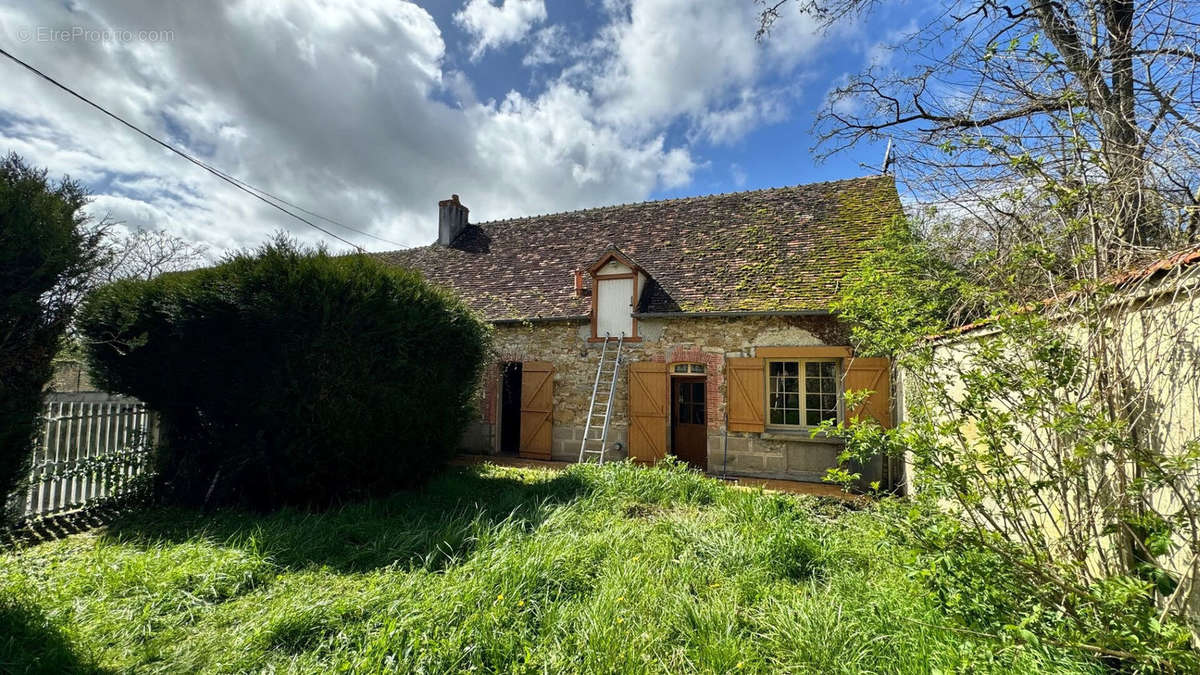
(1076, 119)
(1060, 140)
(144, 254)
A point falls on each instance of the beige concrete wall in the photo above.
(699, 340)
(1154, 328)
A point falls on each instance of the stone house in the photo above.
(730, 354)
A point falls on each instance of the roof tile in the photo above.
(780, 249)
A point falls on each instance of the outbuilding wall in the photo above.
(1154, 330)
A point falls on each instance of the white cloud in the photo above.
(351, 110)
(348, 111)
(697, 60)
(738, 174)
(553, 44)
(499, 25)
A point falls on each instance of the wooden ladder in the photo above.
(602, 401)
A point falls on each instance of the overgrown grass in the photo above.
(595, 569)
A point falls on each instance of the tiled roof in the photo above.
(782, 249)
(1177, 261)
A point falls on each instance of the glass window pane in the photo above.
(697, 414)
(829, 402)
(793, 417)
(697, 368)
(811, 369)
(776, 416)
(681, 368)
(792, 384)
(791, 401)
(814, 418)
(698, 391)
(812, 401)
(827, 369)
(791, 367)
(776, 368)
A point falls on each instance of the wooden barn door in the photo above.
(647, 411)
(537, 409)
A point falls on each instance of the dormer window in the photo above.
(617, 282)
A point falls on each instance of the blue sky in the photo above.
(370, 111)
(770, 155)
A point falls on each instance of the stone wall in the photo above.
(70, 375)
(696, 340)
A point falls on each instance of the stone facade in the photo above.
(70, 375)
(709, 341)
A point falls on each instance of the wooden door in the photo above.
(537, 409)
(647, 411)
(689, 428)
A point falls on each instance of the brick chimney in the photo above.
(452, 220)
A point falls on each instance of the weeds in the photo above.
(595, 569)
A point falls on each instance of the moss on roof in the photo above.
(781, 249)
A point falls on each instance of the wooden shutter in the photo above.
(647, 411)
(537, 409)
(875, 375)
(745, 394)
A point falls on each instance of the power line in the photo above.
(257, 193)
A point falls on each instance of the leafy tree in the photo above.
(48, 252)
(901, 291)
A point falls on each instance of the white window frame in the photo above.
(803, 410)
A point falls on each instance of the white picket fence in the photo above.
(92, 448)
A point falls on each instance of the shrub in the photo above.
(287, 376)
(47, 254)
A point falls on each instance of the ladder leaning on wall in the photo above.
(600, 409)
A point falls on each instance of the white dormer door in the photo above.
(614, 306)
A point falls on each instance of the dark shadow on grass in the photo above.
(59, 526)
(29, 643)
(433, 527)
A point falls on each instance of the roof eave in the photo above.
(541, 319)
(733, 314)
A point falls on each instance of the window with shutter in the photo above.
(802, 394)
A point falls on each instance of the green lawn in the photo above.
(595, 569)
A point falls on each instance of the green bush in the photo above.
(47, 254)
(286, 376)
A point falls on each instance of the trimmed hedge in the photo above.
(287, 376)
